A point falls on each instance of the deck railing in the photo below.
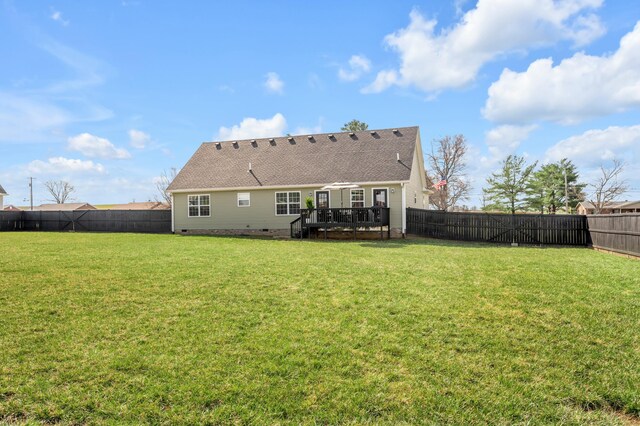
(352, 218)
(345, 217)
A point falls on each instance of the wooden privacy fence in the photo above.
(616, 232)
(499, 228)
(147, 221)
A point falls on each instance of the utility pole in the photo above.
(566, 191)
(31, 191)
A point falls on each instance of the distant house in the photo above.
(617, 207)
(65, 207)
(147, 205)
(259, 186)
(11, 208)
(2, 194)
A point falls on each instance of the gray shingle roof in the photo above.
(2, 191)
(299, 160)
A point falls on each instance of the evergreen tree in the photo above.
(548, 188)
(507, 188)
(354, 126)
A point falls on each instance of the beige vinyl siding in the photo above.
(417, 183)
(225, 214)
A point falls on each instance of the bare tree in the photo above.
(608, 186)
(60, 190)
(162, 183)
(446, 164)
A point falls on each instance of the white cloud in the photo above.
(96, 147)
(595, 146)
(40, 114)
(254, 128)
(88, 71)
(358, 66)
(305, 130)
(579, 87)
(23, 118)
(225, 88)
(62, 165)
(504, 140)
(500, 141)
(273, 83)
(56, 15)
(139, 139)
(453, 57)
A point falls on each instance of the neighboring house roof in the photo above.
(148, 205)
(12, 208)
(612, 205)
(365, 156)
(65, 206)
(2, 191)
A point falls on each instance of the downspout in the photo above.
(404, 208)
(173, 218)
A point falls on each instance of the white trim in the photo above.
(254, 188)
(364, 197)
(238, 199)
(198, 195)
(275, 204)
(404, 208)
(173, 214)
(315, 198)
(373, 201)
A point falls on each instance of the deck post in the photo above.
(353, 222)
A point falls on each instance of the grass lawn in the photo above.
(126, 328)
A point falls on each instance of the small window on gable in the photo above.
(244, 199)
(199, 206)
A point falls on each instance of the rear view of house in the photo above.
(259, 186)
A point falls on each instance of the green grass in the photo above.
(108, 328)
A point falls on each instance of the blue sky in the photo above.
(109, 94)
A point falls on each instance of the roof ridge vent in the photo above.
(290, 138)
(331, 136)
(272, 140)
(235, 144)
(351, 134)
(395, 131)
(310, 137)
(373, 132)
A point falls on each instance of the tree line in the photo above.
(518, 186)
(553, 187)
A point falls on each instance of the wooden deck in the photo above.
(324, 221)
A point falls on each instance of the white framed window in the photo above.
(199, 205)
(287, 203)
(357, 198)
(244, 199)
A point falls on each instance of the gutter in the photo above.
(253, 188)
(173, 216)
(404, 209)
